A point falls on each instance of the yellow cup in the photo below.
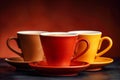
(95, 40)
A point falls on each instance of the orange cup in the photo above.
(30, 45)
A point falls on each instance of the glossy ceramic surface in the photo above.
(18, 63)
(98, 63)
(72, 70)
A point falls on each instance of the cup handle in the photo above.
(8, 45)
(107, 48)
(81, 53)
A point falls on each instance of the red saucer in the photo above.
(72, 70)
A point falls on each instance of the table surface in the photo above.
(109, 72)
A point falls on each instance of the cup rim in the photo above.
(86, 32)
(53, 34)
(30, 32)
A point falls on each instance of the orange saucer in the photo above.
(18, 63)
(72, 70)
(99, 63)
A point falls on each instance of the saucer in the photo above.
(98, 63)
(72, 70)
(18, 63)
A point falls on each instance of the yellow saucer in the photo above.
(99, 63)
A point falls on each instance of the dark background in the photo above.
(60, 15)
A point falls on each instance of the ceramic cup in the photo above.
(59, 47)
(29, 43)
(95, 41)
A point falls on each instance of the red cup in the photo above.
(59, 47)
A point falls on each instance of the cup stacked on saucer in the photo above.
(59, 48)
(30, 49)
(92, 56)
(50, 53)
(60, 53)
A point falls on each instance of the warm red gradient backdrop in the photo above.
(59, 15)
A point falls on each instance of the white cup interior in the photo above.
(86, 32)
(62, 34)
(30, 32)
